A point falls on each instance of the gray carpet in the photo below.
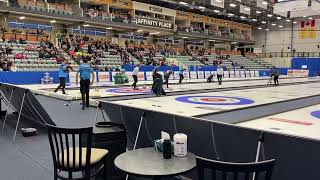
(30, 158)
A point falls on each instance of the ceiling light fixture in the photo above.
(254, 20)
(273, 24)
(295, 22)
(310, 18)
(230, 14)
(201, 7)
(216, 11)
(86, 25)
(183, 3)
(109, 28)
(154, 33)
(247, 9)
(280, 26)
(267, 29)
(279, 18)
(53, 21)
(260, 28)
(263, 22)
(258, 12)
(288, 20)
(265, 2)
(22, 17)
(242, 17)
(232, 5)
(269, 15)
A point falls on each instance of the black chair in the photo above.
(72, 152)
(235, 171)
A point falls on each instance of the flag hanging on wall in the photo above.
(308, 30)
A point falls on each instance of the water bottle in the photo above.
(167, 149)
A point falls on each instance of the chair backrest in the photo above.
(71, 148)
(235, 171)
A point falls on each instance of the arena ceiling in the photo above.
(257, 16)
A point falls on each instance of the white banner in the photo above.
(262, 4)
(193, 75)
(149, 76)
(256, 73)
(216, 3)
(226, 74)
(153, 9)
(298, 73)
(245, 9)
(72, 77)
(200, 75)
(174, 75)
(252, 74)
(242, 74)
(237, 74)
(207, 74)
(232, 74)
(247, 73)
(104, 76)
(186, 75)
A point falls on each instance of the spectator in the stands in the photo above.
(21, 41)
(30, 47)
(4, 30)
(20, 56)
(9, 49)
(13, 68)
(129, 17)
(12, 40)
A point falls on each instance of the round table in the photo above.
(147, 162)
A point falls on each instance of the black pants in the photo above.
(84, 89)
(135, 79)
(166, 82)
(181, 78)
(62, 85)
(276, 80)
(219, 79)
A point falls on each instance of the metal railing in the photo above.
(286, 54)
(216, 35)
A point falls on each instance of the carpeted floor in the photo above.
(30, 158)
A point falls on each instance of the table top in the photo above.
(149, 162)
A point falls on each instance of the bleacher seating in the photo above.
(60, 9)
(32, 5)
(247, 63)
(187, 61)
(32, 62)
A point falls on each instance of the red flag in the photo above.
(302, 24)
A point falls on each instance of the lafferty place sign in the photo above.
(154, 23)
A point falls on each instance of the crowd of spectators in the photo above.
(224, 32)
(5, 63)
(98, 12)
(95, 12)
(82, 47)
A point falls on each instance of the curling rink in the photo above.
(104, 91)
(206, 103)
(303, 123)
